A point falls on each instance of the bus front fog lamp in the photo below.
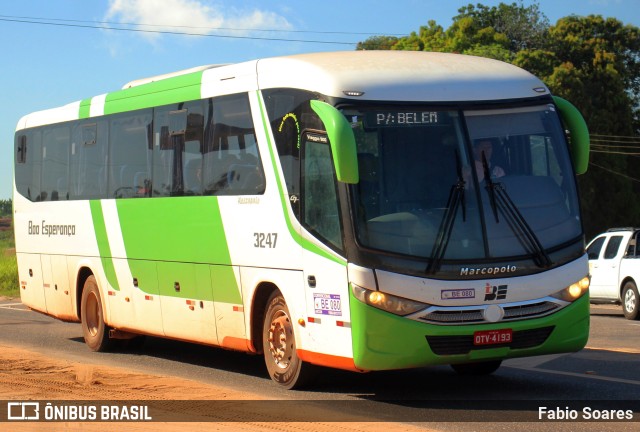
(387, 302)
(574, 291)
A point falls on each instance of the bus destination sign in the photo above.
(403, 118)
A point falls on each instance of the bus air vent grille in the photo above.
(529, 310)
(454, 316)
(468, 315)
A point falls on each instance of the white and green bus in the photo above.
(326, 209)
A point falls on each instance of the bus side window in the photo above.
(21, 156)
(129, 154)
(55, 163)
(247, 177)
(290, 113)
(232, 164)
(88, 159)
(28, 164)
(321, 213)
(177, 149)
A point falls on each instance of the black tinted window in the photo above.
(594, 249)
(612, 247)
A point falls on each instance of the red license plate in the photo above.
(492, 337)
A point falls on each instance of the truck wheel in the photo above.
(94, 330)
(630, 301)
(479, 368)
(279, 346)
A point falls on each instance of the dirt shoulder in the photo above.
(27, 375)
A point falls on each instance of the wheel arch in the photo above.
(261, 296)
(83, 274)
(622, 284)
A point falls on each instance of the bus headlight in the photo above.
(574, 291)
(387, 302)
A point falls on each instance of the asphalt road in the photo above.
(605, 375)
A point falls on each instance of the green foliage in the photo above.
(592, 61)
(521, 27)
(498, 32)
(9, 285)
(378, 43)
(582, 54)
(5, 207)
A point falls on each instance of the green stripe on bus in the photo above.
(102, 239)
(85, 108)
(181, 88)
(306, 244)
(190, 232)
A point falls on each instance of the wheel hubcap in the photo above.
(280, 339)
(629, 301)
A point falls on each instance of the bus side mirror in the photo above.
(342, 140)
(574, 121)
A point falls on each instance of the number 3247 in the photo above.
(265, 240)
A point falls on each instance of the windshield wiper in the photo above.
(456, 199)
(491, 186)
(500, 200)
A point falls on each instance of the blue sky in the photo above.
(50, 65)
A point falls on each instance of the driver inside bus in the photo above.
(480, 146)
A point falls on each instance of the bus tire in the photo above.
(478, 368)
(630, 301)
(94, 329)
(279, 346)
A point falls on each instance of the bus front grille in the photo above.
(475, 314)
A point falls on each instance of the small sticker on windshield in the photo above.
(454, 294)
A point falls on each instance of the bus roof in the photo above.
(363, 75)
(401, 76)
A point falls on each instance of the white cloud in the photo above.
(192, 16)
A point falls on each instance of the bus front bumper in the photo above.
(383, 341)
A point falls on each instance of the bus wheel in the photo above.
(479, 368)
(630, 301)
(94, 330)
(279, 346)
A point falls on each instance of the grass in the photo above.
(9, 285)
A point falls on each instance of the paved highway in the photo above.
(607, 371)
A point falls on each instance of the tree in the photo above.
(5, 207)
(430, 38)
(377, 43)
(582, 54)
(496, 32)
(523, 27)
(592, 61)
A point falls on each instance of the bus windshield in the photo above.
(463, 184)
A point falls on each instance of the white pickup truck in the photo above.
(614, 264)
